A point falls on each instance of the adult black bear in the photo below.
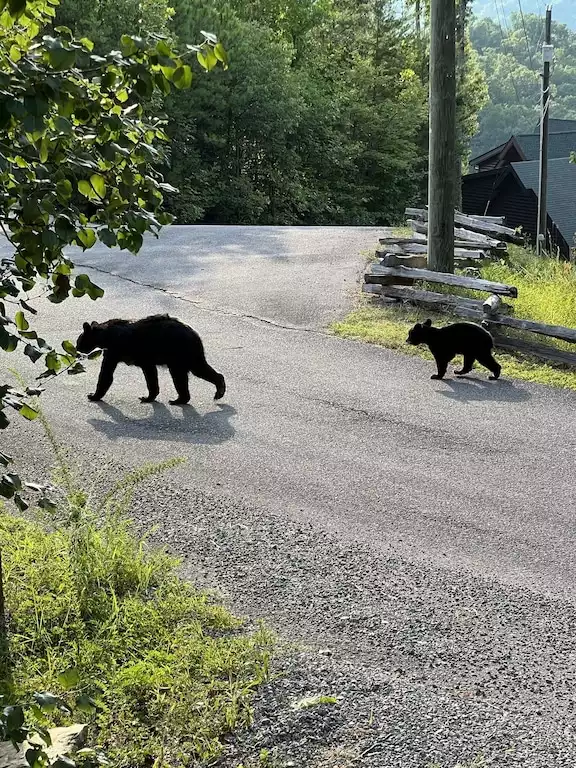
(147, 343)
(467, 339)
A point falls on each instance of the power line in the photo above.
(514, 85)
(526, 36)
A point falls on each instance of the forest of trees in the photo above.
(511, 59)
(321, 117)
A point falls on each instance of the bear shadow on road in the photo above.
(178, 423)
(467, 389)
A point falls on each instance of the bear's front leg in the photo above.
(442, 365)
(105, 378)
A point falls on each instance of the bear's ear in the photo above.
(428, 322)
(86, 327)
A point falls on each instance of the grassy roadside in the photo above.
(93, 612)
(546, 293)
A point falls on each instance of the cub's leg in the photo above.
(204, 371)
(488, 361)
(442, 365)
(105, 378)
(467, 365)
(151, 375)
(180, 379)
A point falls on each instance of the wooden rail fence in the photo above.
(400, 270)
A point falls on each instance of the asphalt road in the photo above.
(458, 496)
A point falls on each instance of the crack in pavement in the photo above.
(201, 305)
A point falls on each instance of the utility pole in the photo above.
(547, 55)
(442, 134)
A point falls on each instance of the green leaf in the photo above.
(69, 348)
(14, 717)
(48, 702)
(86, 237)
(21, 323)
(202, 60)
(128, 45)
(94, 355)
(95, 292)
(85, 188)
(182, 77)
(69, 678)
(99, 184)
(107, 237)
(52, 361)
(209, 36)
(16, 7)
(28, 412)
(86, 704)
(220, 53)
(44, 150)
(314, 701)
(163, 48)
(82, 282)
(75, 369)
(64, 190)
(88, 44)
(211, 59)
(62, 58)
(8, 341)
(33, 353)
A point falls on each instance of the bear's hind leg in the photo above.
(467, 365)
(488, 361)
(180, 379)
(151, 375)
(206, 372)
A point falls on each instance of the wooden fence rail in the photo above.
(384, 275)
(491, 312)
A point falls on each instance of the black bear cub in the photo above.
(467, 339)
(147, 343)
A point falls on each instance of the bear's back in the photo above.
(153, 340)
(463, 338)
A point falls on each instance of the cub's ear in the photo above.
(428, 322)
(86, 326)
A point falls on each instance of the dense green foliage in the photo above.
(79, 163)
(512, 60)
(321, 117)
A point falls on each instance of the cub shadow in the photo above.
(468, 389)
(177, 423)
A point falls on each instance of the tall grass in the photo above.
(170, 670)
(546, 286)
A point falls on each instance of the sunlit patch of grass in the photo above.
(389, 326)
